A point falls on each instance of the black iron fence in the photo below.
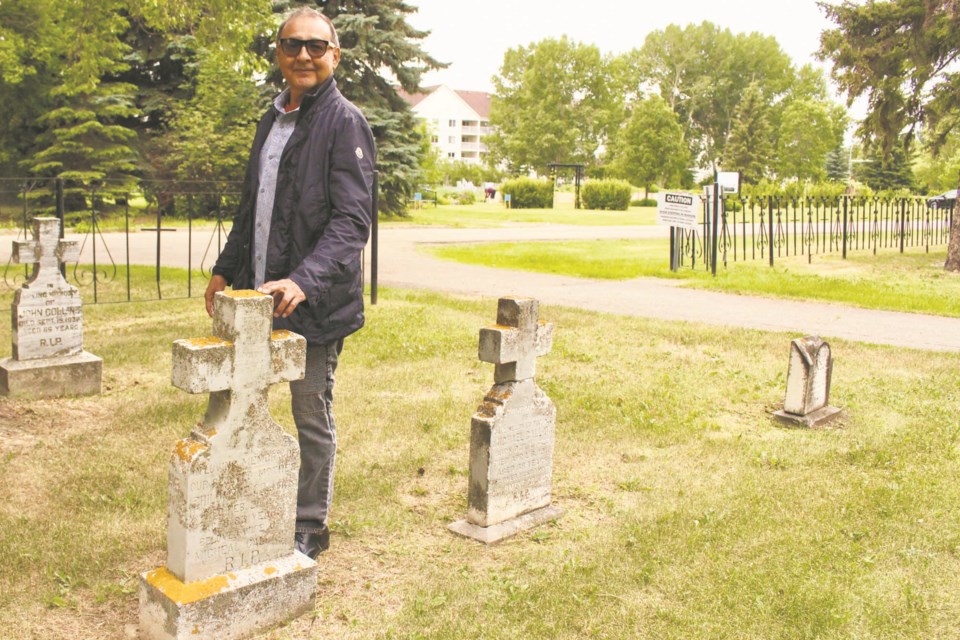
(152, 240)
(767, 228)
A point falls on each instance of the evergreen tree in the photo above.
(750, 146)
(83, 140)
(837, 164)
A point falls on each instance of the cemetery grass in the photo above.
(491, 214)
(914, 281)
(689, 513)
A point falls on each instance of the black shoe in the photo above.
(311, 541)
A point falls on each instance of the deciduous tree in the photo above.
(650, 147)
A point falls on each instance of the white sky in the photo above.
(474, 35)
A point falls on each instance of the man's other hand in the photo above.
(217, 283)
(286, 296)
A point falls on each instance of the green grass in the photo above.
(490, 214)
(112, 283)
(689, 514)
(913, 281)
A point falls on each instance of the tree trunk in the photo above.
(953, 249)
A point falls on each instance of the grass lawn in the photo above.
(689, 514)
(914, 281)
(489, 214)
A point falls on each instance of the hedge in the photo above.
(527, 193)
(607, 194)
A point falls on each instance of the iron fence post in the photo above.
(770, 226)
(903, 224)
(715, 219)
(844, 228)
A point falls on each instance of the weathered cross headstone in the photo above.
(808, 384)
(48, 357)
(232, 570)
(512, 433)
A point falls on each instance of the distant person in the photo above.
(303, 220)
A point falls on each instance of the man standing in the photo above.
(303, 220)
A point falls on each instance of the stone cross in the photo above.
(46, 251)
(48, 359)
(512, 432)
(808, 383)
(515, 342)
(233, 485)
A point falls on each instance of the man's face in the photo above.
(302, 72)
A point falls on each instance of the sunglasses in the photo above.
(292, 47)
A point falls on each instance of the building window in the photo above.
(434, 139)
(451, 139)
(451, 155)
(452, 123)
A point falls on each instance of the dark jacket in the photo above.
(321, 216)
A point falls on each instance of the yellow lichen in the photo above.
(209, 341)
(184, 593)
(281, 334)
(187, 449)
(270, 571)
(244, 293)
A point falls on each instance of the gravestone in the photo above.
(232, 569)
(808, 384)
(48, 357)
(512, 433)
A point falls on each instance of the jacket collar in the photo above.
(324, 90)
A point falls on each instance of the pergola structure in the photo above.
(578, 178)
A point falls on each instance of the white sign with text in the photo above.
(678, 209)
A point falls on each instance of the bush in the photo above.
(451, 195)
(644, 202)
(607, 194)
(527, 193)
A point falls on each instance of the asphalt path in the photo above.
(403, 263)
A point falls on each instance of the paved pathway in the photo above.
(402, 264)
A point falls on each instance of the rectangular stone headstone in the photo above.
(512, 433)
(48, 358)
(232, 570)
(808, 384)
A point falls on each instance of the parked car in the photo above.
(943, 201)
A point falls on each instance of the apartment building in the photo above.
(456, 120)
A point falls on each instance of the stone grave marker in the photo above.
(808, 384)
(512, 433)
(232, 570)
(48, 357)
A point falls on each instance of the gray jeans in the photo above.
(312, 405)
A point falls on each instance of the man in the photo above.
(303, 219)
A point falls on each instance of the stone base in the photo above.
(497, 532)
(810, 421)
(79, 375)
(233, 605)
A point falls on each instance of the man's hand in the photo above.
(286, 296)
(217, 283)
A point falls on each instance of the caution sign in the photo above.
(678, 210)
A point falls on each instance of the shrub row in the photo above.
(607, 194)
(527, 193)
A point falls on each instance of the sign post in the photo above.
(679, 210)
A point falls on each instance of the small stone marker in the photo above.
(808, 384)
(48, 357)
(232, 570)
(512, 433)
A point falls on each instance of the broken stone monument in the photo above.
(808, 384)
(48, 357)
(512, 433)
(232, 570)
